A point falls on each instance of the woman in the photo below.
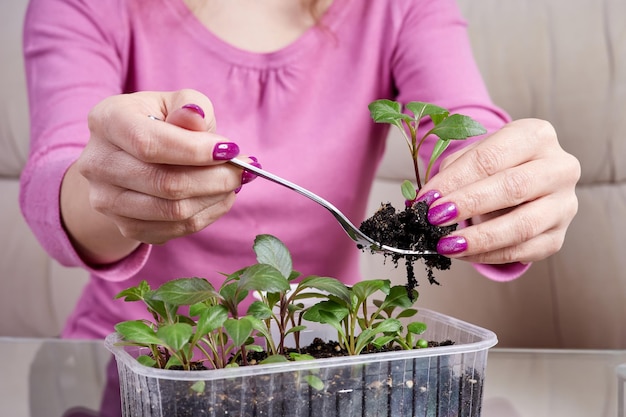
(127, 197)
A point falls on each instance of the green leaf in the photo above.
(274, 359)
(271, 251)
(263, 277)
(259, 310)
(421, 109)
(186, 291)
(135, 293)
(301, 356)
(138, 332)
(387, 111)
(210, 319)
(176, 335)
(440, 147)
(397, 297)
(458, 127)
(330, 285)
(388, 326)
(363, 289)
(408, 190)
(198, 386)
(146, 360)
(409, 312)
(239, 330)
(417, 327)
(260, 327)
(295, 329)
(314, 382)
(314, 313)
(379, 342)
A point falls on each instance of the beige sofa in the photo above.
(555, 59)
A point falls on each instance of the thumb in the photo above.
(189, 116)
(190, 110)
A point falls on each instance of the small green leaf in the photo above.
(175, 335)
(408, 190)
(198, 386)
(397, 297)
(458, 127)
(186, 291)
(363, 289)
(138, 332)
(301, 356)
(239, 330)
(417, 327)
(387, 111)
(263, 277)
(330, 285)
(146, 360)
(259, 310)
(295, 329)
(409, 312)
(210, 319)
(388, 326)
(274, 359)
(314, 382)
(379, 342)
(135, 293)
(421, 109)
(271, 251)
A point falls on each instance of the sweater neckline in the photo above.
(197, 31)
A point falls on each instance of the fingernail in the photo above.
(442, 213)
(429, 197)
(237, 189)
(225, 150)
(247, 176)
(195, 108)
(451, 245)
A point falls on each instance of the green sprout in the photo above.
(447, 127)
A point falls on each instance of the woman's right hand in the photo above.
(141, 180)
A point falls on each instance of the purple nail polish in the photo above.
(247, 176)
(451, 245)
(430, 197)
(195, 108)
(225, 150)
(442, 213)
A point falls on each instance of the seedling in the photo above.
(447, 127)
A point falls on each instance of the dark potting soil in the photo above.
(408, 229)
(320, 349)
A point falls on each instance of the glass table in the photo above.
(60, 378)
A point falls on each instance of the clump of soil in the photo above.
(409, 229)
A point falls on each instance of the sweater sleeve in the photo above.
(434, 62)
(74, 53)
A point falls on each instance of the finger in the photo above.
(141, 206)
(538, 248)
(126, 125)
(508, 188)
(158, 232)
(493, 154)
(171, 182)
(520, 225)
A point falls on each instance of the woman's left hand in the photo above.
(516, 189)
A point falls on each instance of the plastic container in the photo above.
(443, 381)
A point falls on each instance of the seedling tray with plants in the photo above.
(380, 363)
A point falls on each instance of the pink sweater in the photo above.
(301, 110)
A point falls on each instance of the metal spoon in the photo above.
(362, 240)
